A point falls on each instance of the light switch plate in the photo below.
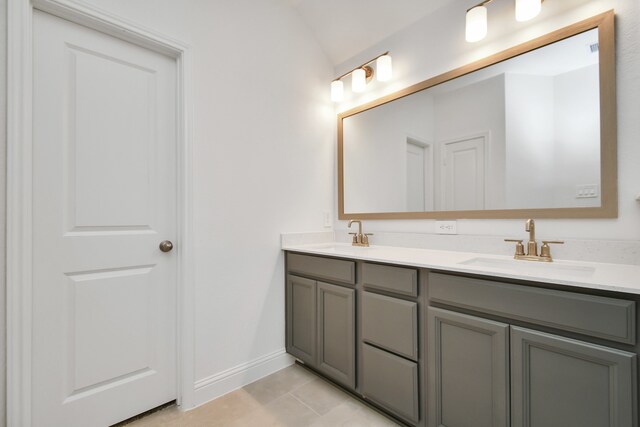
(446, 227)
(326, 219)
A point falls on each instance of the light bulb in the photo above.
(337, 91)
(358, 80)
(527, 9)
(384, 70)
(476, 24)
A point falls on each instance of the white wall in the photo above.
(375, 158)
(530, 132)
(577, 148)
(263, 164)
(436, 44)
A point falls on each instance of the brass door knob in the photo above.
(166, 245)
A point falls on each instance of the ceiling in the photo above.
(345, 28)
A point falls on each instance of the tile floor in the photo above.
(292, 397)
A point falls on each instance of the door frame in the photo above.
(19, 248)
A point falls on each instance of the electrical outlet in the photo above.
(326, 219)
(586, 191)
(446, 227)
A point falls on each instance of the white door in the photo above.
(415, 178)
(104, 181)
(419, 176)
(463, 174)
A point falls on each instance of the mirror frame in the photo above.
(608, 129)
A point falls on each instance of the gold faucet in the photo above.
(532, 245)
(359, 239)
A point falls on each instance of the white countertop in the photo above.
(591, 275)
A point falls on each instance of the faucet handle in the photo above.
(355, 238)
(365, 238)
(545, 250)
(519, 246)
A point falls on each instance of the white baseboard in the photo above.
(214, 386)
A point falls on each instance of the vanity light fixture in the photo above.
(359, 79)
(361, 75)
(527, 9)
(476, 23)
(476, 19)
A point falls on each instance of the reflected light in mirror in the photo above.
(476, 24)
(527, 9)
(384, 70)
(358, 80)
(337, 91)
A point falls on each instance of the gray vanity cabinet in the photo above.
(496, 353)
(336, 318)
(301, 318)
(321, 316)
(561, 382)
(468, 368)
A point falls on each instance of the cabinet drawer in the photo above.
(322, 268)
(390, 381)
(400, 280)
(608, 318)
(390, 323)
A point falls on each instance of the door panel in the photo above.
(120, 134)
(560, 382)
(464, 174)
(98, 332)
(104, 144)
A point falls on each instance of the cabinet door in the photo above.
(468, 375)
(301, 318)
(336, 333)
(560, 382)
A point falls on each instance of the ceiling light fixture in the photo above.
(361, 75)
(476, 19)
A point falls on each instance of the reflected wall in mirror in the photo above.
(527, 132)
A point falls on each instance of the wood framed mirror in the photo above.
(527, 132)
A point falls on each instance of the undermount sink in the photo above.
(530, 266)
